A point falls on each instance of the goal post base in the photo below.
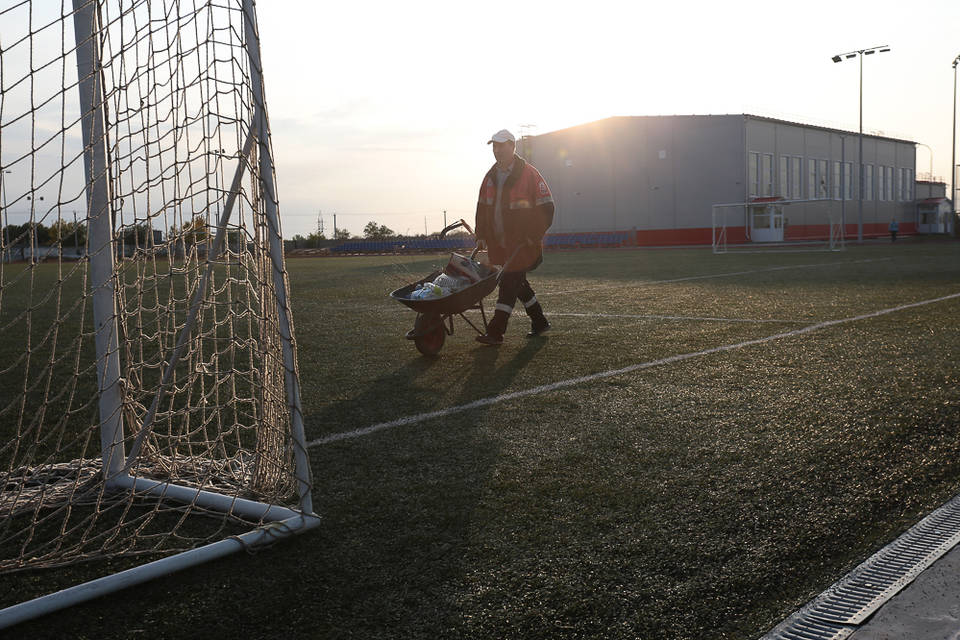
(259, 537)
(223, 503)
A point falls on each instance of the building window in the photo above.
(753, 173)
(906, 185)
(791, 177)
(847, 180)
(888, 181)
(881, 188)
(811, 178)
(868, 182)
(768, 174)
(836, 180)
(796, 184)
(823, 179)
(783, 188)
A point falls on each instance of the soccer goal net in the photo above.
(147, 357)
(775, 224)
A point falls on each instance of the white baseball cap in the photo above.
(502, 136)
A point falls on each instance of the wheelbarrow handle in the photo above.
(463, 223)
(456, 225)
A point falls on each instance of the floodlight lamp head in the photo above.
(837, 59)
(851, 55)
(869, 52)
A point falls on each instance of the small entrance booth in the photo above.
(934, 216)
(765, 219)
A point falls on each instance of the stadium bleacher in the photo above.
(453, 243)
(404, 245)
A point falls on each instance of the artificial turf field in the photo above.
(700, 445)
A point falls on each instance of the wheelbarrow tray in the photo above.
(452, 303)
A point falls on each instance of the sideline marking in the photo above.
(483, 402)
(653, 317)
(714, 275)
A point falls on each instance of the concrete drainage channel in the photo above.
(840, 610)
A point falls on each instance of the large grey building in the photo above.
(658, 177)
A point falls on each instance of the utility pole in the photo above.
(319, 223)
(334, 225)
(444, 218)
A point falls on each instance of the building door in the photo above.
(930, 220)
(766, 223)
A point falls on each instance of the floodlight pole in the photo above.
(953, 154)
(930, 151)
(839, 58)
(860, 162)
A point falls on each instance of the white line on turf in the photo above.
(483, 402)
(654, 317)
(644, 283)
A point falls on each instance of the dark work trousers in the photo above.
(513, 287)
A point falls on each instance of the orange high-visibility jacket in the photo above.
(527, 211)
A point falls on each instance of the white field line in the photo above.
(654, 317)
(484, 402)
(727, 274)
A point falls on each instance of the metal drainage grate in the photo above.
(799, 627)
(834, 614)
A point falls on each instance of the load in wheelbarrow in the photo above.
(434, 320)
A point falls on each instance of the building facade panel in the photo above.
(659, 176)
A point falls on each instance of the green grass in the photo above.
(702, 498)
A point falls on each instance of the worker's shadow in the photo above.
(494, 369)
(407, 396)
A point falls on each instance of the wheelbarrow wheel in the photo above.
(430, 334)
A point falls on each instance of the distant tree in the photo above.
(194, 231)
(341, 234)
(16, 235)
(135, 235)
(69, 233)
(23, 235)
(373, 231)
(235, 239)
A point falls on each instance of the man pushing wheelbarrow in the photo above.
(514, 211)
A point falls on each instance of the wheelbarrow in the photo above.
(434, 320)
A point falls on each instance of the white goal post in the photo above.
(772, 224)
(147, 351)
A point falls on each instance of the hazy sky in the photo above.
(381, 110)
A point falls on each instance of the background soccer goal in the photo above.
(147, 356)
(776, 224)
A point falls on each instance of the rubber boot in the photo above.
(538, 322)
(495, 328)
